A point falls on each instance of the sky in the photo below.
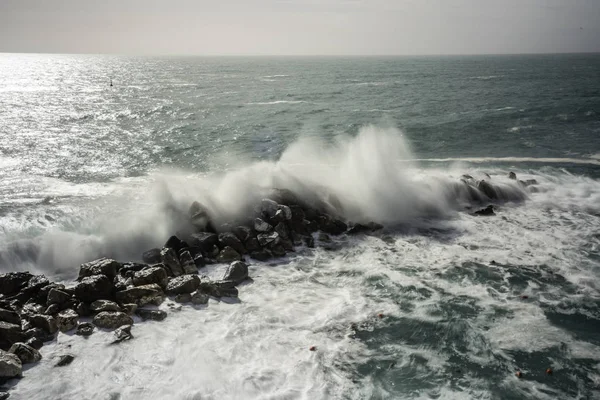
(300, 27)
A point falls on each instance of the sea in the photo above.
(97, 151)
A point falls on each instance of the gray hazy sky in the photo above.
(319, 27)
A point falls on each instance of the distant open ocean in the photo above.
(89, 170)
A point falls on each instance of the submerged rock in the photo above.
(10, 366)
(236, 272)
(199, 298)
(153, 315)
(487, 189)
(122, 333)
(261, 255)
(489, 210)
(112, 319)
(26, 353)
(64, 360)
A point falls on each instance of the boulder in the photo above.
(171, 261)
(83, 309)
(187, 263)
(512, 175)
(58, 297)
(92, 288)
(262, 226)
(219, 289)
(268, 208)
(26, 353)
(11, 283)
(236, 272)
(45, 322)
(30, 309)
(228, 254)
(205, 241)
(278, 250)
(243, 233)
(261, 255)
(129, 309)
(52, 309)
(102, 266)
(199, 298)
(9, 316)
(129, 269)
(142, 295)
(267, 239)
(252, 244)
(112, 319)
(10, 334)
(67, 320)
(151, 256)
(64, 360)
(331, 225)
(10, 366)
(176, 244)
(85, 329)
(149, 275)
(199, 260)
(122, 333)
(183, 298)
(231, 240)
(183, 284)
(153, 315)
(35, 342)
(282, 230)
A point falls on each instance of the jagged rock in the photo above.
(489, 210)
(199, 260)
(261, 255)
(42, 295)
(183, 298)
(67, 320)
(45, 322)
(9, 334)
(52, 309)
(331, 225)
(30, 309)
(153, 315)
(129, 309)
(58, 297)
(170, 260)
(10, 366)
(268, 208)
(26, 353)
(151, 256)
(487, 189)
(85, 329)
(266, 239)
(9, 316)
(150, 275)
(243, 233)
(228, 254)
(205, 241)
(252, 244)
(231, 240)
(236, 272)
(102, 266)
(142, 295)
(176, 244)
(123, 333)
(94, 288)
(187, 263)
(64, 360)
(111, 319)
(183, 284)
(262, 226)
(512, 175)
(199, 298)
(282, 230)
(35, 342)
(11, 283)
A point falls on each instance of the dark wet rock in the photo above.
(129, 309)
(35, 342)
(42, 295)
(261, 255)
(94, 288)
(10, 366)
(85, 329)
(171, 261)
(9, 316)
(213, 253)
(205, 241)
(26, 353)
(102, 266)
(278, 250)
(243, 233)
(262, 226)
(228, 254)
(151, 256)
(231, 240)
(252, 244)
(187, 263)
(183, 298)
(9, 334)
(360, 228)
(149, 275)
(308, 241)
(176, 244)
(64, 360)
(219, 289)
(83, 309)
(200, 217)
(266, 239)
(153, 315)
(4, 395)
(331, 225)
(489, 210)
(183, 284)
(282, 229)
(287, 245)
(45, 322)
(142, 295)
(530, 182)
(32, 309)
(11, 283)
(112, 319)
(104, 305)
(52, 309)
(199, 298)
(58, 297)
(123, 333)
(129, 269)
(268, 208)
(324, 238)
(236, 272)
(512, 175)
(199, 260)
(487, 189)
(33, 287)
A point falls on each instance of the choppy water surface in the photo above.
(89, 170)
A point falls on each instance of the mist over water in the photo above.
(89, 171)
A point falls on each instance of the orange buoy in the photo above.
(549, 371)
(519, 374)
(312, 348)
